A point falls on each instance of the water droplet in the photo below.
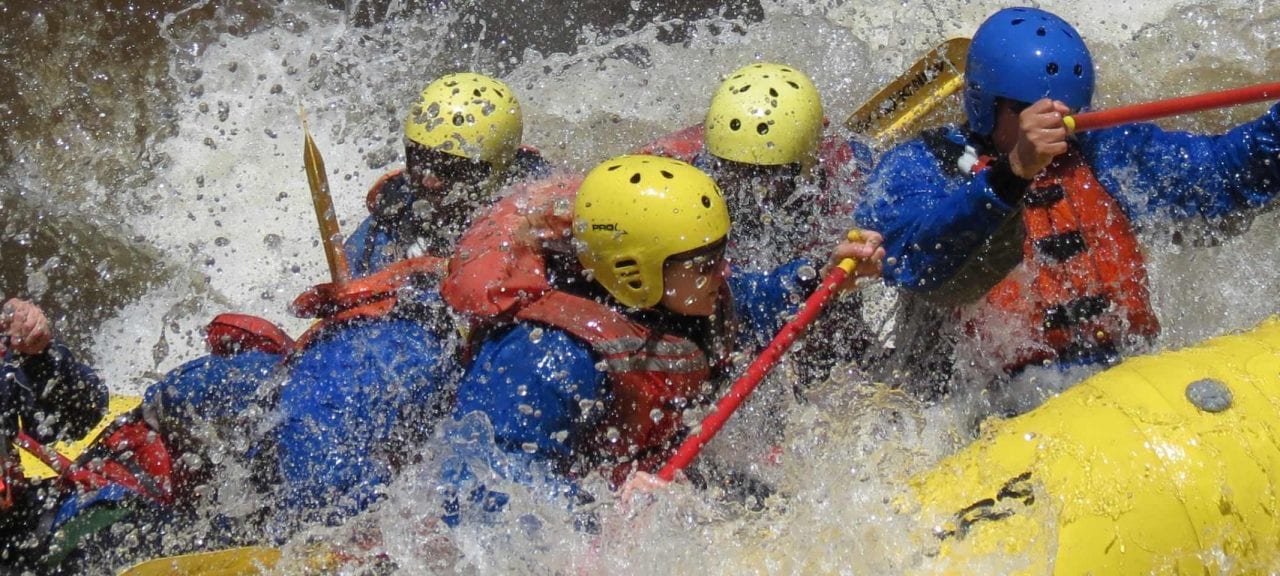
(613, 434)
(525, 409)
(530, 447)
(655, 415)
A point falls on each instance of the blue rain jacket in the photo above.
(935, 216)
(950, 237)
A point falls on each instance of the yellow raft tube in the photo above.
(1165, 464)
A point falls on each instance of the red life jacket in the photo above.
(499, 275)
(1081, 288)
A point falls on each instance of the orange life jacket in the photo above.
(1081, 289)
(499, 275)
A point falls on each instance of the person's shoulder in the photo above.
(944, 144)
(532, 341)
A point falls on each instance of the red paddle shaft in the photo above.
(1172, 107)
(746, 384)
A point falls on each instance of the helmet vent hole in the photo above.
(1079, 70)
(1041, 31)
(476, 93)
(459, 120)
(744, 88)
(1052, 68)
(667, 175)
(735, 124)
(635, 178)
(706, 202)
(762, 128)
(793, 85)
(773, 92)
(1017, 21)
(499, 93)
(614, 167)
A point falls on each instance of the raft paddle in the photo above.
(700, 435)
(330, 234)
(917, 92)
(1171, 107)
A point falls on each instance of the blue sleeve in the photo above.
(1151, 171)
(932, 223)
(764, 302)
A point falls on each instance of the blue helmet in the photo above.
(1024, 54)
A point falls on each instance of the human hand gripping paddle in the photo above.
(755, 373)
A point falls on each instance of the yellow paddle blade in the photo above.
(246, 561)
(896, 108)
(32, 467)
(322, 199)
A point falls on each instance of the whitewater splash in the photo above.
(207, 209)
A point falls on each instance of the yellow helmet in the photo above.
(634, 212)
(767, 115)
(470, 116)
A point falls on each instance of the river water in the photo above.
(152, 177)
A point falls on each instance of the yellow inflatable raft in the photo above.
(1167, 463)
